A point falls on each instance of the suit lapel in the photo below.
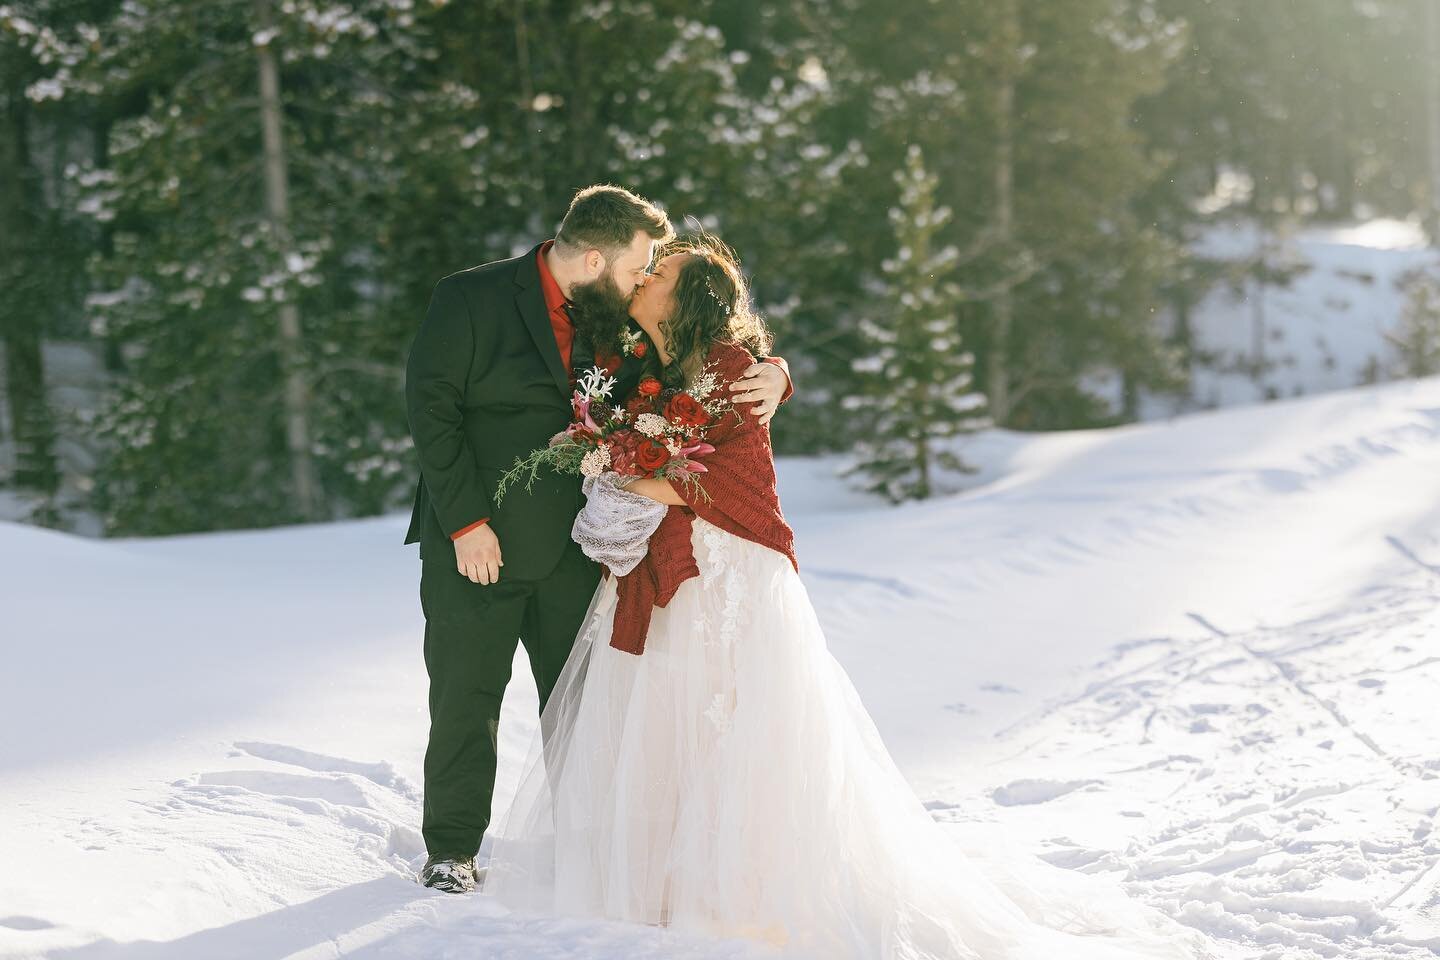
(530, 301)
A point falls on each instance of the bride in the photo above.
(705, 762)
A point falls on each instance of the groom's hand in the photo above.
(764, 384)
(477, 555)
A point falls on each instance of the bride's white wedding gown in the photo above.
(729, 781)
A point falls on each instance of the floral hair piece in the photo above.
(724, 307)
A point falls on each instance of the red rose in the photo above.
(639, 349)
(649, 386)
(686, 410)
(651, 456)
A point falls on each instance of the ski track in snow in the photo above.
(1245, 835)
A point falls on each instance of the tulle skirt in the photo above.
(730, 782)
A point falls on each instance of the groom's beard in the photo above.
(600, 313)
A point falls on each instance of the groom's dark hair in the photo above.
(606, 218)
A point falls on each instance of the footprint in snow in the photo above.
(381, 773)
(1019, 793)
(26, 923)
(338, 790)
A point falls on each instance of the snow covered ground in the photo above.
(1200, 656)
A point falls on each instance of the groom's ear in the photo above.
(594, 263)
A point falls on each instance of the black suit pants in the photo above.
(471, 632)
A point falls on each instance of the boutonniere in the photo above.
(632, 343)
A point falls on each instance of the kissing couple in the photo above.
(703, 762)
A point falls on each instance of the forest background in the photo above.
(954, 214)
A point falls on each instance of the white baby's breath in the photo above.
(704, 385)
(594, 463)
(650, 424)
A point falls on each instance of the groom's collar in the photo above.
(527, 271)
(555, 299)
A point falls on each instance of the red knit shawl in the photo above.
(743, 500)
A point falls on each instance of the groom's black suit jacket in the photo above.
(484, 384)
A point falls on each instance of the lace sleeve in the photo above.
(614, 527)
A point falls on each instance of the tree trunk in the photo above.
(1003, 304)
(1129, 395)
(1261, 275)
(31, 426)
(532, 117)
(1432, 113)
(290, 346)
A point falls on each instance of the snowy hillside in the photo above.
(1323, 327)
(1200, 657)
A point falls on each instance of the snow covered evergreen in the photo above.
(914, 374)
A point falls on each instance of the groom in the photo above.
(489, 379)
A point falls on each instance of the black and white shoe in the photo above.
(450, 874)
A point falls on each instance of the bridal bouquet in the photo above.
(656, 433)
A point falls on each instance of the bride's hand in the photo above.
(764, 384)
(658, 490)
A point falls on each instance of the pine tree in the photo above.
(413, 140)
(39, 244)
(1417, 342)
(261, 361)
(915, 395)
(1025, 112)
(1306, 114)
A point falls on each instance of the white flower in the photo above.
(650, 424)
(595, 462)
(628, 341)
(704, 385)
(593, 383)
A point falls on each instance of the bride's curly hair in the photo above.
(712, 302)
